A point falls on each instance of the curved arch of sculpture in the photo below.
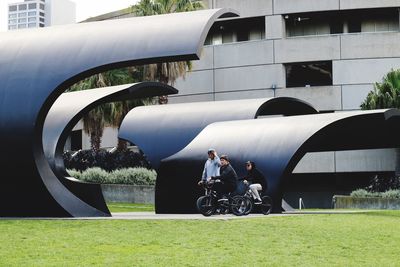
(38, 65)
(68, 109)
(275, 144)
(161, 131)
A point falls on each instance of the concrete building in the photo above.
(326, 52)
(40, 13)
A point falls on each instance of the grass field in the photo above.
(360, 239)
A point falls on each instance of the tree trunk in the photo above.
(122, 145)
(95, 141)
(397, 168)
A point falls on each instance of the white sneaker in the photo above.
(257, 201)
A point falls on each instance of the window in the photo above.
(41, 25)
(32, 13)
(21, 26)
(21, 20)
(309, 74)
(32, 19)
(22, 15)
(41, 14)
(237, 30)
(32, 6)
(12, 16)
(41, 6)
(345, 21)
(12, 27)
(12, 21)
(31, 25)
(22, 7)
(12, 8)
(41, 19)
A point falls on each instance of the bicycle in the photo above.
(265, 205)
(210, 203)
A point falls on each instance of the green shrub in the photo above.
(386, 194)
(391, 194)
(137, 176)
(132, 176)
(364, 193)
(95, 175)
(76, 174)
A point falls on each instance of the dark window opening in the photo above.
(345, 21)
(236, 30)
(354, 25)
(309, 74)
(76, 140)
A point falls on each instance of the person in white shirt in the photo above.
(211, 166)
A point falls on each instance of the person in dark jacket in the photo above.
(226, 181)
(256, 180)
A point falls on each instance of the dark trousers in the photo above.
(222, 189)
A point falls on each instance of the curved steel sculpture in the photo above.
(65, 113)
(161, 131)
(275, 144)
(38, 65)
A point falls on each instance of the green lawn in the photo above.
(360, 239)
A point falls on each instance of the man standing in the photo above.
(211, 167)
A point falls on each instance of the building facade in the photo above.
(326, 52)
(40, 13)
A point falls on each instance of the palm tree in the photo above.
(165, 72)
(111, 113)
(386, 95)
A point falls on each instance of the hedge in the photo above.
(130, 176)
(387, 194)
(105, 160)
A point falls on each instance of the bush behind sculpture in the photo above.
(130, 176)
(387, 194)
(105, 160)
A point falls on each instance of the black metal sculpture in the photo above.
(275, 144)
(161, 131)
(68, 109)
(38, 65)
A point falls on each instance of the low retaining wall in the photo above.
(373, 203)
(128, 193)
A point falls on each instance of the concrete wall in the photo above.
(370, 45)
(246, 8)
(243, 54)
(353, 4)
(128, 193)
(362, 71)
(253, 77)
(297, 6)
(304, 49)
(321, 97)
(373, 160)
(370, 203)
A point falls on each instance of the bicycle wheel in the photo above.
(266, 205)
(249, 206)
(205, 205)
(239, 205)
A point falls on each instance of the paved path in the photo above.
(154, 216)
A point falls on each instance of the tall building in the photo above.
(40, 13)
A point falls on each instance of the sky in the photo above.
(84, 8)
